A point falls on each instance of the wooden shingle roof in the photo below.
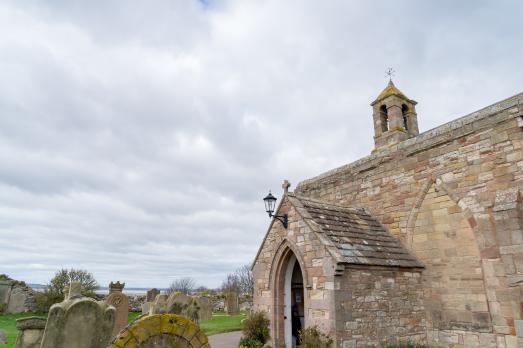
(352, 235)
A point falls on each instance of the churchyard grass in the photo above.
(222, 322)
(8, 324)
(219, 323)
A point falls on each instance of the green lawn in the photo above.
(222, 322)
(219, 323)
(8, 324)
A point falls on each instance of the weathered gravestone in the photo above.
(232, 302)
(79, 322)
(177, 302)
(151, 294)
(161, 331)
(159, 305)
(205, 304)
(21, 299)
(120, 301)
(30, 332)
(149, 299)
(5, 290)
(3, 337)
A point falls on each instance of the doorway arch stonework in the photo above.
(280, 264)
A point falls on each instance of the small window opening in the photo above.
(404, 110)
(384, 118)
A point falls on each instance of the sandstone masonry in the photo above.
(452, 196)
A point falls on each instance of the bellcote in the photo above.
(394, 116)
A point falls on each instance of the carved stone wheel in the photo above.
(161, 331)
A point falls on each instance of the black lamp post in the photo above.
(270, 203)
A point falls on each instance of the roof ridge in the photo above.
(315, 200)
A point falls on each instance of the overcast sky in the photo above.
(137, 138)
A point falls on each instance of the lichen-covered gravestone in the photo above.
(79, 322)
(205, 304)
(30, 332)
(233, 306)
(120, 301)
(161, 331)
(177, 302)
(159, 305)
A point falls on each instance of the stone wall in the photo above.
(376, 305)
(477, 162)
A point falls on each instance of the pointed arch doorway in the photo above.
(290, 298)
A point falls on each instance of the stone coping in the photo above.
(31, 323)
(426, 139)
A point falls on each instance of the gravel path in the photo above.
(225, 340)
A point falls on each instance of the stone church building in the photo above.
(422, 240)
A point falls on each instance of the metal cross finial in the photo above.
(390, 72)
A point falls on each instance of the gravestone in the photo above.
(159, 305)
(120, 301)
(206, 306)
(21, 299)
(233, 307)
(176, 302)
(3, 337)
(149, 299)
(79, 322)
(5, 290)
(151, 295)
(161, 331)
(30, 332)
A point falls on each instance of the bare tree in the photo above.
(245, 280)
(231, 283)
(185, 285)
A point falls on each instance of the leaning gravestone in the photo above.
(30, 332)
(177, 302)
(120, 301)
(161, 331)
(78, 322)
(205, 304)
(159, 305)
(233, 307)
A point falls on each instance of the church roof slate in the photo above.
(352, 235)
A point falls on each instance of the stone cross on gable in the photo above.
(285, 186)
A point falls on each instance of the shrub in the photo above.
(250, 343)
(55, 290)
(256, 327)
(47, 298)
(63, 277)
(312, 337)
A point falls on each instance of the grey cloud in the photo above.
(137, 139)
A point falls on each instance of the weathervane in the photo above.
(390, 72)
